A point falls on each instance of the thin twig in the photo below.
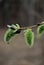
(23, 28)
(32, 26)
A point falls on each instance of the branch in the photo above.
(32, 26)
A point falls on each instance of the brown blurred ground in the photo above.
(18, 53)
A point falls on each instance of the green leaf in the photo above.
(9, 34)
(29, 37)
(40, 30)
(13, 30)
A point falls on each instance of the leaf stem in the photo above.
(23, 28)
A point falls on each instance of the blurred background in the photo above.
(25, 13)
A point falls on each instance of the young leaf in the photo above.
(9, 33)
(13, 30)
(29, 37)
(40, 30)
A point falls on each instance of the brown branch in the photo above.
(32, 26)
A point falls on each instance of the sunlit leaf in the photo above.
(40, 30)
(9, 34)
(13, 30)
(29, 37)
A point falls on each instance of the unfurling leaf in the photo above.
(13, 30)
(29, 37)
(40, 30)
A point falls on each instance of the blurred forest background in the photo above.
(25, 13)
